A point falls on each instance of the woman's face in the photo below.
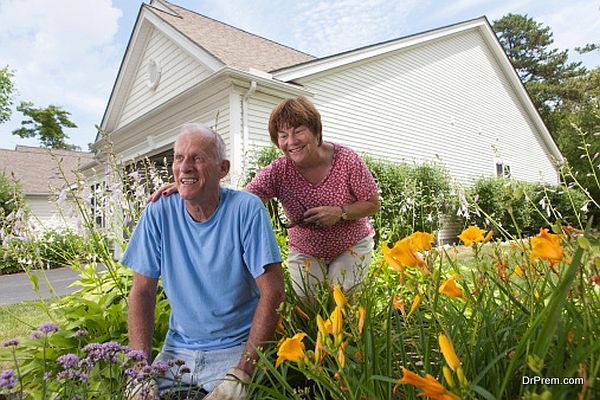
(297, 143)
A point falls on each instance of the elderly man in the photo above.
(220, 266)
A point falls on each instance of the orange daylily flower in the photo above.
(422, 240)
(546, 246)
(361, 318)
(431, 387)
(448, 351)
(449, 288)
(291, 349)
(474, 234)
(403, 254)
(415, 305)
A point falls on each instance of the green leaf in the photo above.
(583, 242)
(35, 280)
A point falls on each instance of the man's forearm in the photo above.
(265, 317)
(141, 321)
(263, 327)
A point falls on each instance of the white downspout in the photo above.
(245, 129)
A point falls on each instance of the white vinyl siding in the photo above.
(445, 101)
(156, 133)
(41, 207)
(179, 71)
(259, 110)
(45, 212)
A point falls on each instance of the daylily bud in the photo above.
(448, 376)
(464, 383)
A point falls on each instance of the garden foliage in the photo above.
(53, 249)
(11, 198)
(517, 208)
(444, 322)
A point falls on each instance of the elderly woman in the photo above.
(327, 193)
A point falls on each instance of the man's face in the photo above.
(196, 168)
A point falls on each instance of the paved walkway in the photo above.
(16, 288)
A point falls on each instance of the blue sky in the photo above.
(67, 52)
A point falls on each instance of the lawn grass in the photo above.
(18, 320)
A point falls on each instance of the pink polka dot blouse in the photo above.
(348, 181)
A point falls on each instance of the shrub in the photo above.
(53, 249)
(10, 194)
(567, 205)
(500, 204)
(11, 199)
(412, 197)
(514, 207)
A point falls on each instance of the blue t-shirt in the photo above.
(208, 269)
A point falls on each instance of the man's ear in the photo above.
(225, 165)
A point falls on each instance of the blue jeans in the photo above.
(207, 367)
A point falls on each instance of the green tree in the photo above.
(542, 69)
(7, 90)
(46, 123)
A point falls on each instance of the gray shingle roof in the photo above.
(36, 169)
(231, 45)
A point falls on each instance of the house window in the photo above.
(502, 170)
(96, 200)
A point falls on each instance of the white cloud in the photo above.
(574, 23)
(327, 27)
(454, 8)
(63, 53)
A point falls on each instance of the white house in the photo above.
(42, 173)
(448, 95)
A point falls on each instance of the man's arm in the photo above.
(264, 322)
(140, 318)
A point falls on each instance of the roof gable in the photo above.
(233, 46)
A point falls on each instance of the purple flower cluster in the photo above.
(80, 333)
(108, 351)
(7, 379)
(67, 360)
(48, 327)
(136, 355)
(11, 342)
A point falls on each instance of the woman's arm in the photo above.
(329, 215)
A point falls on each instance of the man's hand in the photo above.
(142, 390)
(164, 190)
(233, 386)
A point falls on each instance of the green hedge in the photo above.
(514, 206)
(53, 249)
(412, 197)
